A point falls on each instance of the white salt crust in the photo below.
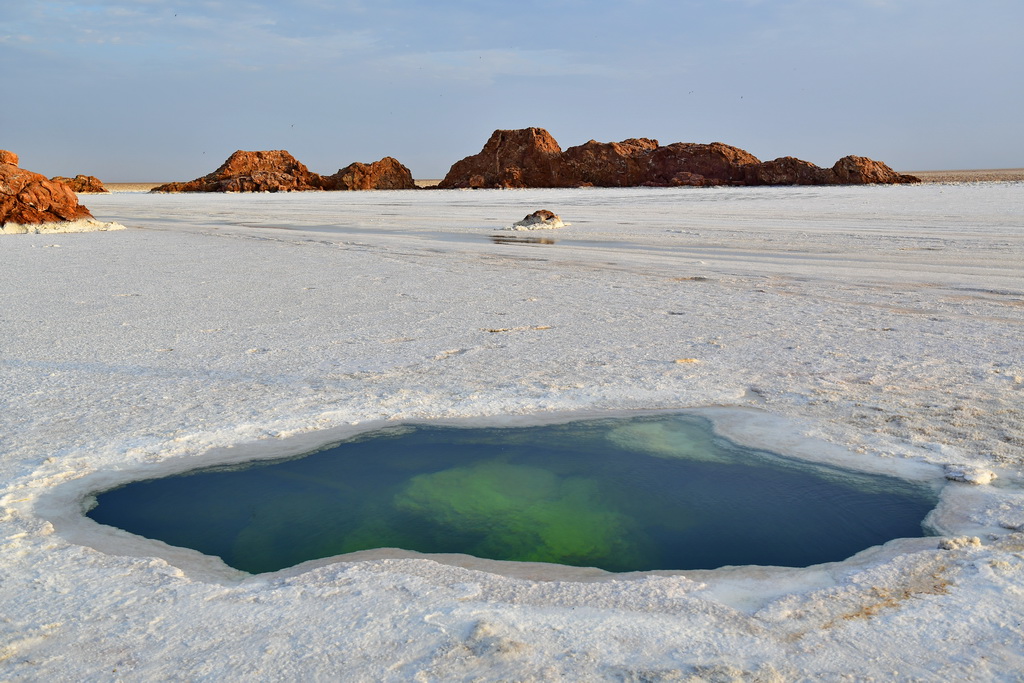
(84, 225)
(877, 328)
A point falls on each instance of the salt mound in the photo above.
(539, 220)
(970, 474)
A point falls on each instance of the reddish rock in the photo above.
(854, 170)
(681, 162)
(528, 157)
(264, 171)
(279, 171)
(28, 198)
(687, 179)
(9, 158)
(606, 164)
(531, 158)
(787, 171)
(82, 183)
(386, 174)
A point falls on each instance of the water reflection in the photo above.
(520, 239)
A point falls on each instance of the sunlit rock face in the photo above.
(855, 170)
(243, 171)
(530, 157)
(527, 157)
(279, 171)
(82, 183)
(386, 174)
(28, 198)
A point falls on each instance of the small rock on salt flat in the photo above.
(539, 220)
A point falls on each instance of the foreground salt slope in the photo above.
(885, 322)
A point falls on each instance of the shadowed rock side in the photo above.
(28, 198)
(279, 171)
(530, 157)
(607, 164)
(82, 183)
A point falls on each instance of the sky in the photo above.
(154, 90)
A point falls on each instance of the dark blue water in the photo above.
(655, 492)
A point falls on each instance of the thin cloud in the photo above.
(486, 66)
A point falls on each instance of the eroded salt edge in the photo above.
(83, 225)
(64, 505)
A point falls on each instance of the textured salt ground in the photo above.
(981, 175)
(884, 322)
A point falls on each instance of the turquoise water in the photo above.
(653, 492)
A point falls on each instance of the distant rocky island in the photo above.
(88, 184)
(279, 171)
(530, 157)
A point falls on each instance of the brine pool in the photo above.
(644, 493)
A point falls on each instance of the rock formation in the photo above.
(266, 171)
(853, 170)
(82, 183)
(606, 164)
(689, 163)
(530, 157)
(386, 174)
(787, 171)
(279, 171)
(28, 198)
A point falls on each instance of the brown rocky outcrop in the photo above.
(854, 170)
(528, 157)
(28, 198)
(690, 163)
(279, 171)
(787, 171)
(386, 174)
(531, 158)
(9, 158)
(264, 171)
(606, 164)
(82, 183)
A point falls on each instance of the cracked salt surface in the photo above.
(878, 326)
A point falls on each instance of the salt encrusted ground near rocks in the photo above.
(84, 225)
(875, 327)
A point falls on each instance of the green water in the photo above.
(654, 492)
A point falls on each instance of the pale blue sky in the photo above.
(166, 90)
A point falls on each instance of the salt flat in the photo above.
(877, 327)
